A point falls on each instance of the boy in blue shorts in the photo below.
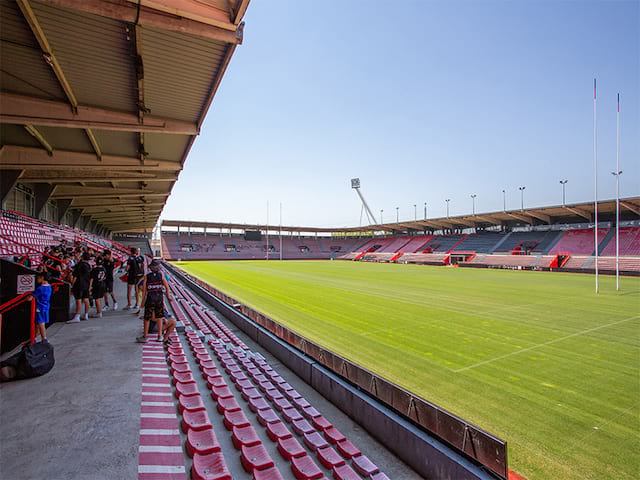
(42, 294)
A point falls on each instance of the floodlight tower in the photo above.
(355, 184)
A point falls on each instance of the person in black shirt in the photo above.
(97, 285)
(109, 264)
(153, 301)
(81, 279)
(135, 271)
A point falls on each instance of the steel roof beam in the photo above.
(66, 176)
(522, 218)
(22, 110)
(176, 20)
(540, 216)
(581, 213)
(109, 195)
(35, 133)
(634, 208)
(42, 195)
(26, 158)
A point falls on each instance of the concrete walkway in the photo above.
(82, 419)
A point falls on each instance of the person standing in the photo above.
(135, 271)
(81, 278)
(97, 286)
(42, 294)
(153, 301)
(109, 264)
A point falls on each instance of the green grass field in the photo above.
(533, 357)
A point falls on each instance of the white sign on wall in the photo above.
(26, 283)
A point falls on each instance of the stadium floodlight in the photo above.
(425, 210)
(504, 201)
(381, 220)
(355, 184)
(473, 204)
(448, 200)
(397, 214)
(415, 212)
(522, 197)
(563, 183)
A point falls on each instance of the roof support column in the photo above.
(63, 208)
(75, 218)
(42, 192)
(8, 181)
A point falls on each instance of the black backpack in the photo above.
(32, 361)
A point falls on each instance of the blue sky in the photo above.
(423, 101)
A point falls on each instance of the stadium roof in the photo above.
(573, 213)
(101, 100)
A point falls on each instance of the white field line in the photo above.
(528, 349)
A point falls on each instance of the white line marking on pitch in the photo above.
(577, 334)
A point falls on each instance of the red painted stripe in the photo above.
(157, 388)
(153, 458)
(156, 380)
(515, 476)
(162, 440)
(158, 409)
(162, 423)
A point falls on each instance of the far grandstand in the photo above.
(550, 238)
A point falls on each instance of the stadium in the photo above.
(496, 344)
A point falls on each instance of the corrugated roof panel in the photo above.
(165, 147)
(72, 139)
(16, 135)
(24, 71)
(117, 143)
(94, 54)
(179, 72)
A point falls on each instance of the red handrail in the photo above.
(14, 302)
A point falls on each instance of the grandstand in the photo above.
(547, 238)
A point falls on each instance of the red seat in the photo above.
(290, 448)
(266, 385)
(256, 404)
(249, 393)
(285, 387)
(228, 404)
(302, 427)
(184, 377)
(273, 394)
(304, 468)
(255, 457)
(267, 415)
(310, 412)
(202, 442)
(364, 466)
(321, 423)
(178, 358)
(201, 350)
(344, 472)
(210, 372)
(268, 474)
(237, 376)
(190, 404)
(207, 364)
(186, 389)
(277, 430)
(281, 404)
(235, 419)
(301, 403)
(292, 394)
(329, 457)
(209, 467)
(347, 449)
(244, 436)
(234, 367)
(216, 382)
(203, 357)
(291, 414)
(179, 367)
(379, 476)
(315, 440)
(221, 392)
(333, 435)
(198, 420)
(242, 384)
